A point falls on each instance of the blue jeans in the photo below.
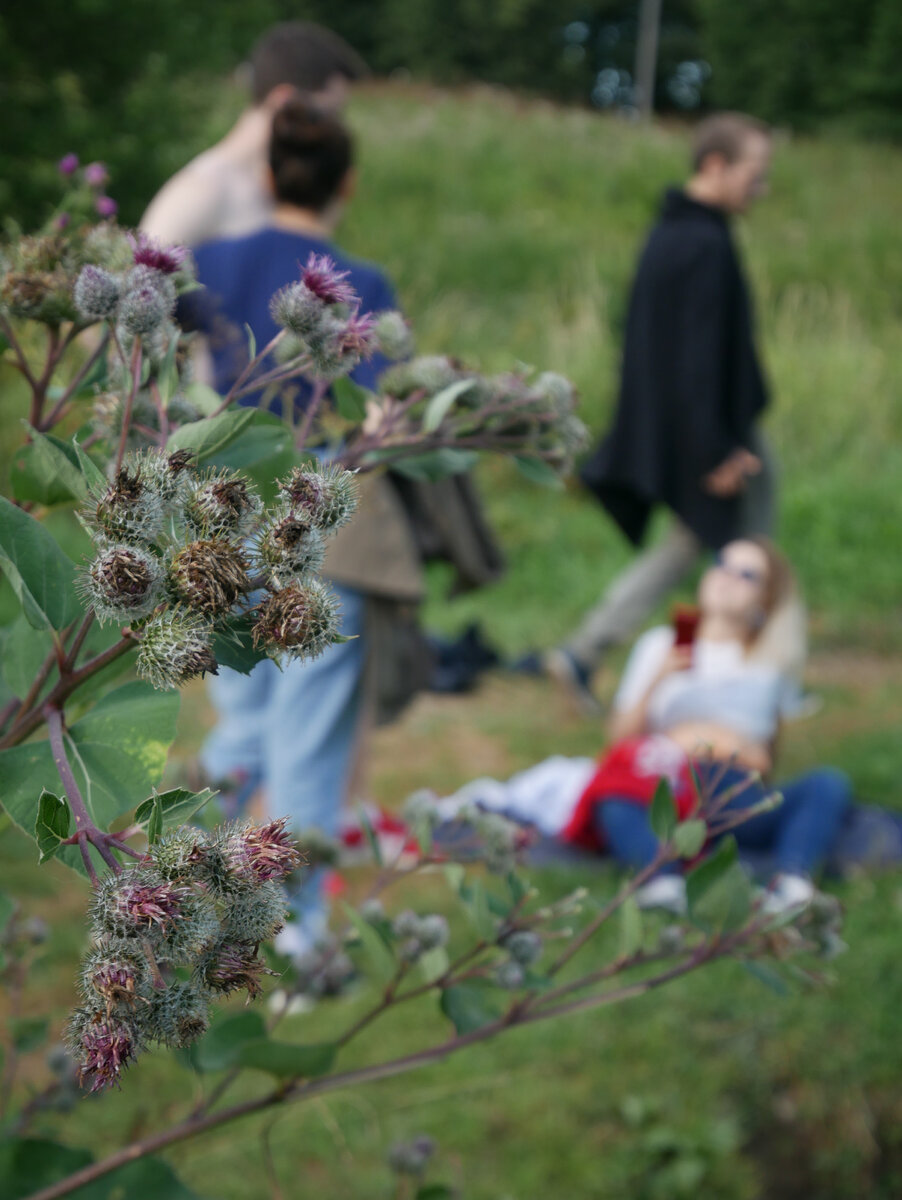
(292, 731)
(800, 832)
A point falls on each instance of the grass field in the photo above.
(511, 231)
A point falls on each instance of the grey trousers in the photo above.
(633, 595)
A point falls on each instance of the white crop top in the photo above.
(721, 686)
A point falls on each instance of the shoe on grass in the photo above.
(665, 891)
(788, 893)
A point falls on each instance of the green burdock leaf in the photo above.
(220, 1046)
(719, 892)
(630, 927)
(212, 435)
(662, 816)
(175, 807)
(40, 574)
(47, 470)
(441, 403)
(470, 1006)
(233, 645)
(287, 1060)
(689, 837)
(350, 399)
(379, 961)
(118, 752)
(52, 825)
(537, 470)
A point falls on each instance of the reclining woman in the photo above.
(714, 705)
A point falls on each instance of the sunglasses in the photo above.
(747, 574)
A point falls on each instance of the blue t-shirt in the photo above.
(241, 275)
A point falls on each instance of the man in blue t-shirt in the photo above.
(293, 731)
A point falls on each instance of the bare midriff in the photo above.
(707, 739)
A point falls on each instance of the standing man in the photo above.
(224, 192)
(685, 433)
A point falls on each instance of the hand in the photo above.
(729, 478)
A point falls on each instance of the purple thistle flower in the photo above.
(357, 338)
(270, 850)
(115, 982)
(96, 174)
(151, 904)
(68, 164)
(323, 278)
(149, 253)
(234, 966)
(106, 206)
(108, 1047)
(62, 221)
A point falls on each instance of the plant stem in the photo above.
(304, 1090)
(320, 389)
(129, 403)
(233, 391)
(58, 411)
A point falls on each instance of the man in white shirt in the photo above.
(222, 192)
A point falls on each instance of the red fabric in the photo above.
(631, 770)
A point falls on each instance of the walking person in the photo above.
(686, 430)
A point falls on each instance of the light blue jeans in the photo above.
(293, 733)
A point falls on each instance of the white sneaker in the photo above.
(788, 893)
(665, 891)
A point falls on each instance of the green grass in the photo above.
(512, 231)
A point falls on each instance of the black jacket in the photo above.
(691, 388)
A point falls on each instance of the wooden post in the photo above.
(647, 56)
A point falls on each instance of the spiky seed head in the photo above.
(167, 474)
(222, 505)
(102, 1046)
(179, 1015)
(434, 931)
(290, 545)
(175, 647)
(210, 576)
(179, 855)
(557, 390)
(256, 915)
(300, 620)
(123, 583)
(118, 975)
(128, 510)
(510, 975)
(339, 345)
(233, 966)
(411, 1158)
(428, 373)
(393, 336)
(180, 410)
(136, 903)
(300, 311)
(142, 310)
(406, 924)
(325, 497)
(524, 946)
(96, 294)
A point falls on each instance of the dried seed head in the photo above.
(325, 497)
(175, 647)
(233, 966)
(300, 620)
(123, 583)
(129, 510)
(210, 576)
(118, 976)
(103, 1046)
(167, 474)
(290, 545)
(222, 505)
(96, 294)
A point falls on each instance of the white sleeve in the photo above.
(643, 664)
(187, 210)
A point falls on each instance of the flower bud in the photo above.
(433, 931)
(300, 311)
(96, 294)
(339, 345)
(271, 852)
(96, 174)
(180, 411)
(510, 975)
(411, 1158)
(222, 505)
(136, 903)
(175, 647)
(372, 911)
(142, 310)
(299, 620)
(429, 373)
(106, 206)
(256, 915)
(406, 924)
(524, 946)
(178, 1016)
(68, 164)
(322, 277)
(325, 497)
(118, 977)
(123, 583)
(393, 337)
(147, 252)
(411, 950)
(557, 391)
(210, 576)
(102, 1046)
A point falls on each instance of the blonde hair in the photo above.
(782, 639)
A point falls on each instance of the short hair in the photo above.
(726, 134)
(310, 153)
(301, 54)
